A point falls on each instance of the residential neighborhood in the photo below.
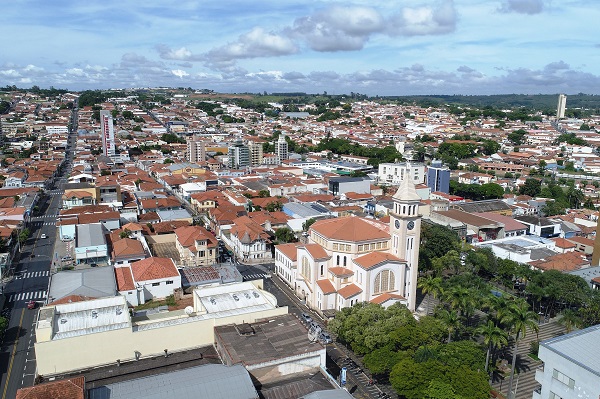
(143, 224)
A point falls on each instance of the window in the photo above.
(305, 268)
(322, 269)
(169, 282)
(155, 284)
(554, 396)
(337, 260)
(335, 246)
(557, 375)
(344, 261)
(384, 282)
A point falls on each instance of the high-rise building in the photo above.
(196, 150)
(438, 177)
(281, 148)
(562, 106)
(108, 134)
(239, 155)
(256, 152)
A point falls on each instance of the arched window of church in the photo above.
(305, 268)
(337, 261)
(403, 208)
(344, 261)
(322, 269)
(384, 282)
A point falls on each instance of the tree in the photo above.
(24, 235)
(570, 320)
(285, 234)
(306, 225)
(436, 240)
(168, 160)
(274, 206)
(493, 337)
(430, 285)
(125, 233)
(263, 193)
(451, 319)
(3, 325)
(532, 187)
(520, 319)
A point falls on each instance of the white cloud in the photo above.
(10, 73)
(179, 73)
(425, 20)
(180, 54)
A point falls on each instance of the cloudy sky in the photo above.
(375, 47)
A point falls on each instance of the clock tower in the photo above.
(405, 232)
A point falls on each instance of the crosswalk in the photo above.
(249, 277)
(35, 218)
(56, 192)
(27, 296)
(39, 223)
(44, 273)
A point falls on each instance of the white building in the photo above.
(108, 133)
(561, 107)
(571, 366)
(87, 334)
(150, 278)
(281, 148)
(393, 173)
(350, 260)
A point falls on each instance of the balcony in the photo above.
(537, 393)
(539, 374)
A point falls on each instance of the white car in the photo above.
(43, 236)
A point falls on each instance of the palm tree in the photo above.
(430, 285)
(570, 320)
(452, 320)
(493, 337)
(459, 298)
(520, 319)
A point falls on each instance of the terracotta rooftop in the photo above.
(562, 243)
(349, 291)
(316, 251)
(153, 269)
(124, 279)
(72, 388)
(383, 298)
(326, 286)
(352, 229)
(289, 250)
(340, 271)
(373, 259)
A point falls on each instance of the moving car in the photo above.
(43, 236)
(31, 304)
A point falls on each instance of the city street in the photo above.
(30, 281)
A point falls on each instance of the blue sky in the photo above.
(376, 47)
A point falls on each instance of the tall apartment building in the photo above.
(108, 134)
(393, 173)
(562, 106)
(281, 148)
(196, 150)
(256, 152)
(438, 177)
(239, 155)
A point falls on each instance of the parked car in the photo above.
(306, 318)
(325, 338)
(43, 236)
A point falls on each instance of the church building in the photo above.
(352, 259)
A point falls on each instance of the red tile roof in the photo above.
(326, 286)
(289, 250)
(124, 279)
(153, 269)
(374, 259)
(349, 291)
(386, 297)
(340, 271)
(72, 388)
(349, 229)
(316, 251)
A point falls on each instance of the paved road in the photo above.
(336, 354)
(30, 281)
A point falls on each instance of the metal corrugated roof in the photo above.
(580, 347)
(213, 381)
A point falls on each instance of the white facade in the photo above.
(571, 366)
(561, 107)
(350, 260)
(393, 173)
(281, 148)
(108, 133)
